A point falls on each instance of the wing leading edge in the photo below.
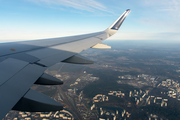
(22, 64)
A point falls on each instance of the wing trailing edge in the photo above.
(34, 101)
(78, 59)
(46, 79)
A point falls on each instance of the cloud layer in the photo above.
(171, 6)
(87, 5)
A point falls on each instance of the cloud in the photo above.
(160, 15)
(87, 5)
(170, 6)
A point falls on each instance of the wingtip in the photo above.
(117, 24)
(128, 10)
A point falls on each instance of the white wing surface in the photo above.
(22, 64)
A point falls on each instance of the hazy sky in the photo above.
(36, 19)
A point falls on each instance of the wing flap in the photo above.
(17, 86)
(34, 101)
(46, 79)
(24, 57)
(55, 58)
(78, 59)
(9, 67)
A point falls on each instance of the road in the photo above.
(71, 106)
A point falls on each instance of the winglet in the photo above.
(116, 25)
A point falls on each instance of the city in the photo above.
(122, 84)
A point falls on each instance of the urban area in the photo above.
(128, 83)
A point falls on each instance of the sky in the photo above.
(39, 19)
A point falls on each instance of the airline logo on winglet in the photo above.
(116, 25)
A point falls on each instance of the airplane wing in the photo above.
(22, 64)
